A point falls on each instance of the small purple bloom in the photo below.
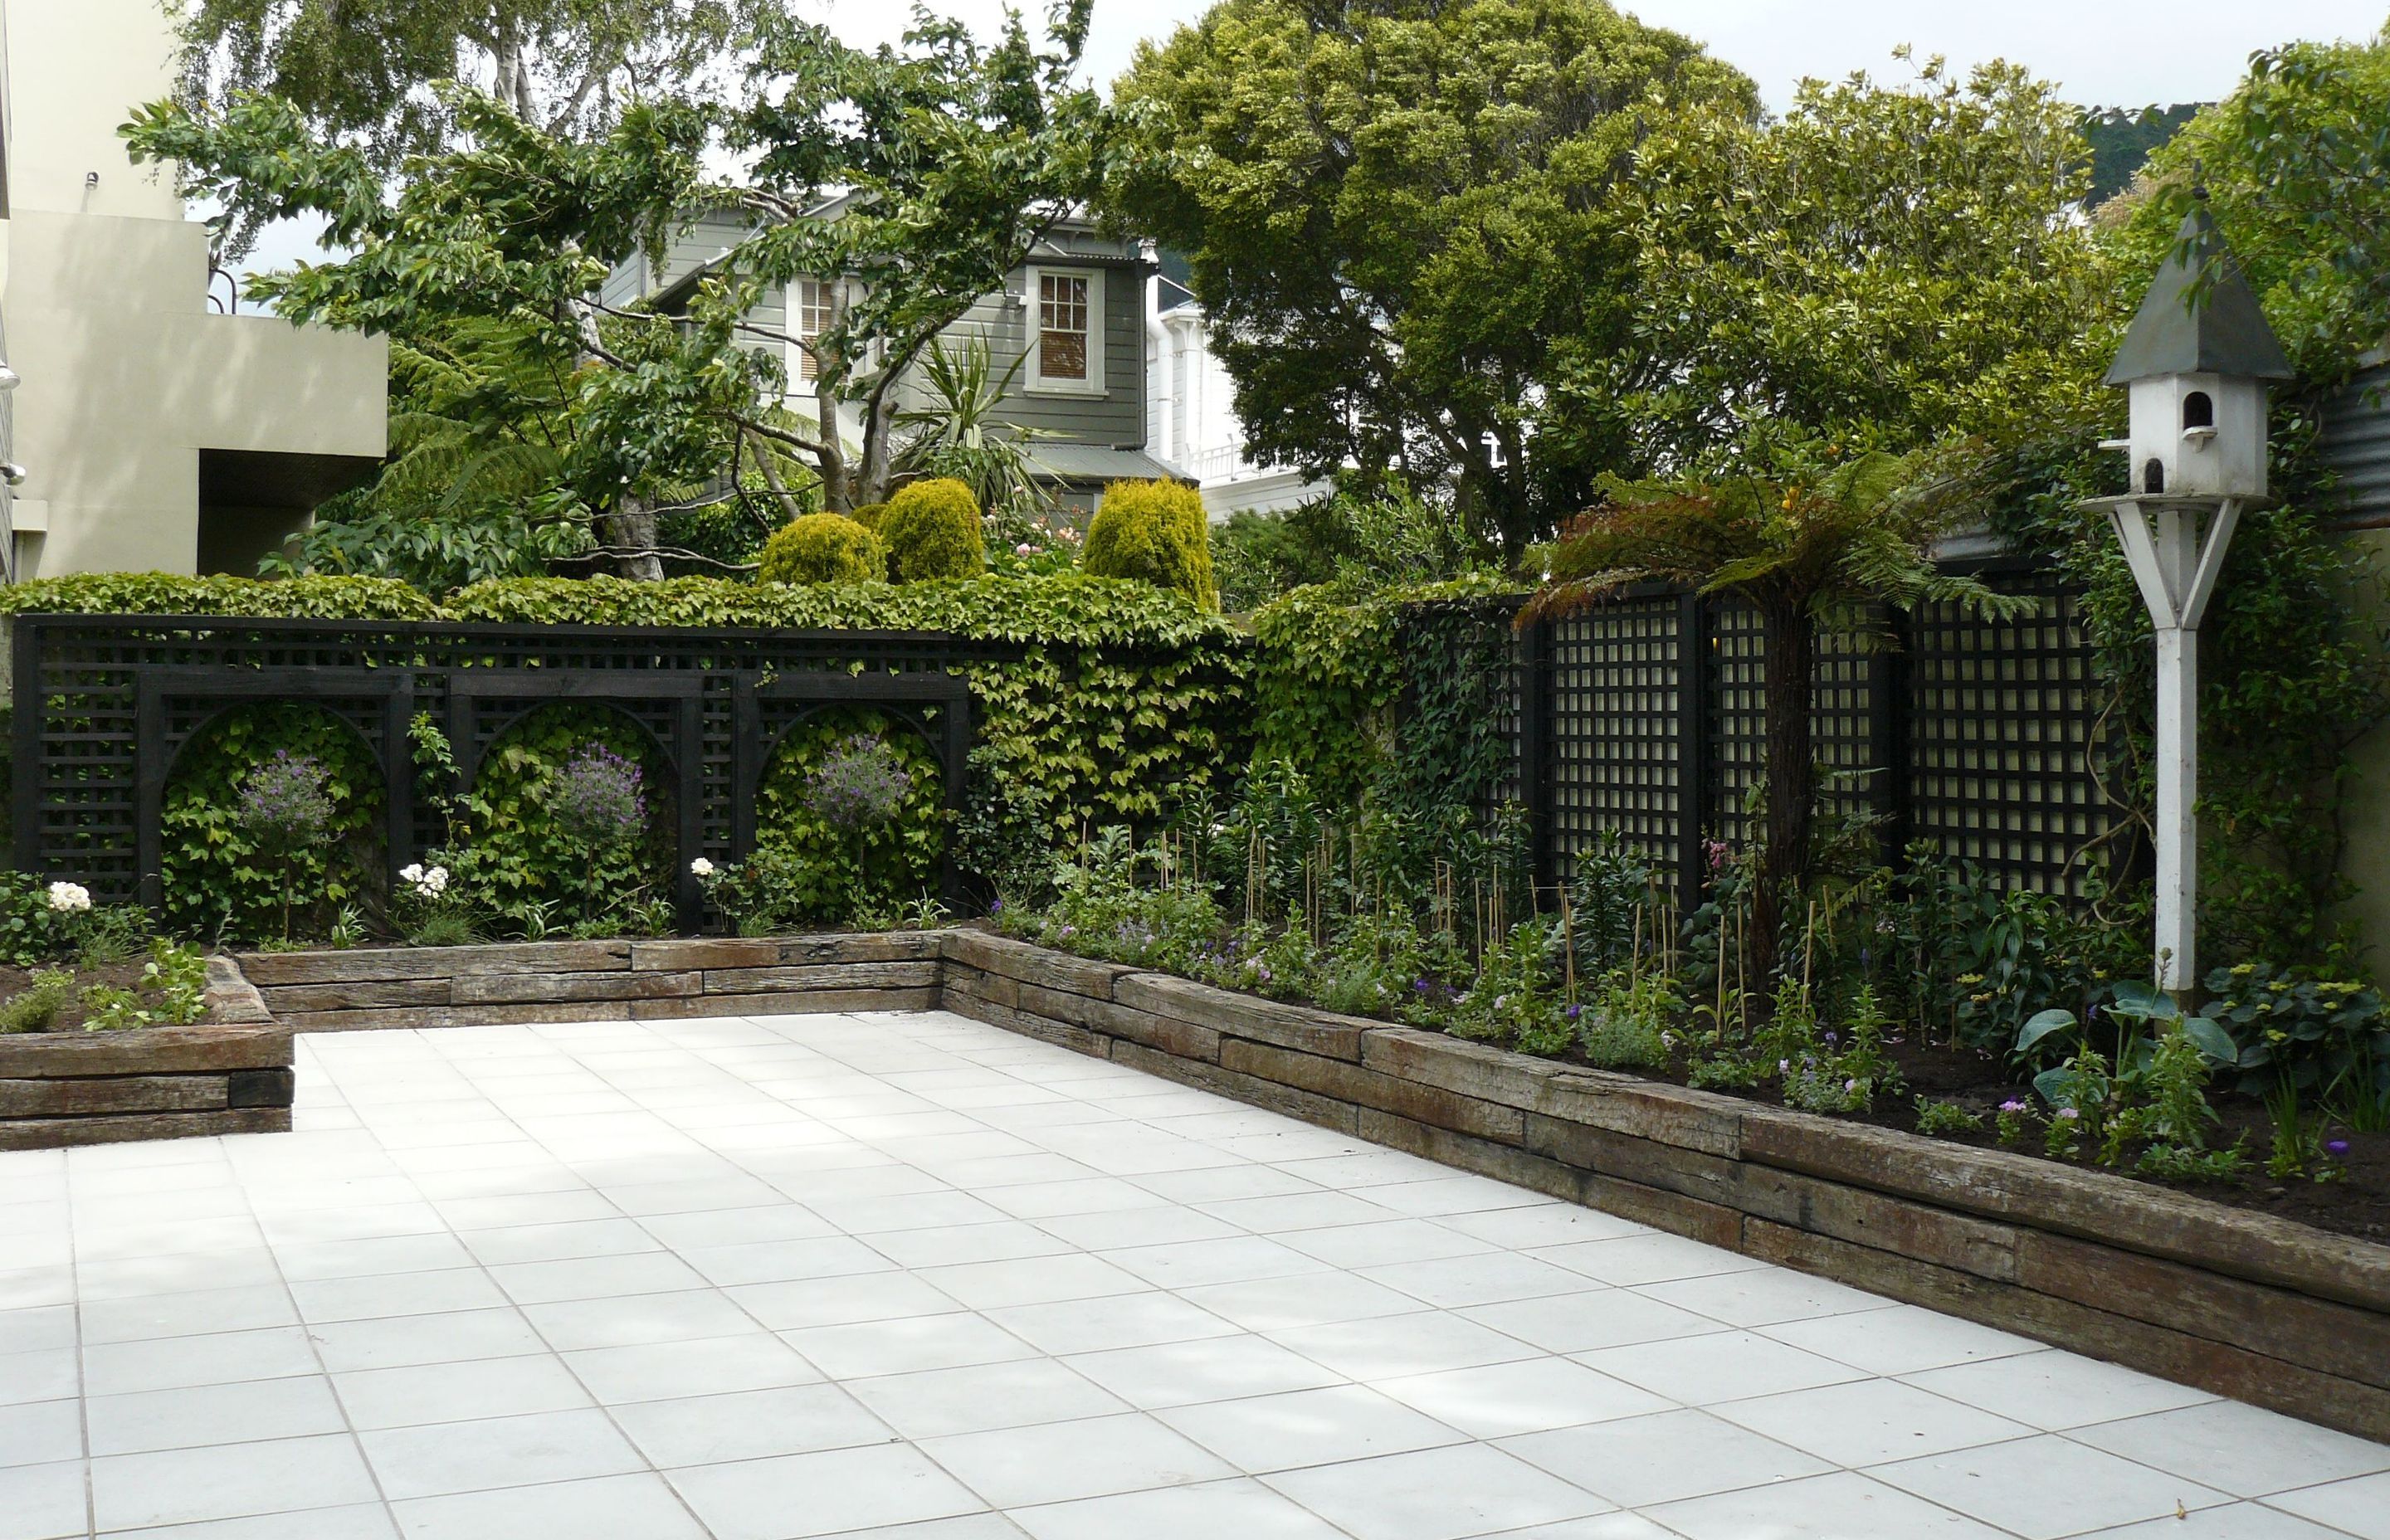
(2337, 1146)
(1574, 1010)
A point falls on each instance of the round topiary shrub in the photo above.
(869, 516)
(824, 548)
(931, 530)
(1157, 533)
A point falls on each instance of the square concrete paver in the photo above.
(913, 1277)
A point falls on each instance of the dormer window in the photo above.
(1066, 329)
(2198, 411)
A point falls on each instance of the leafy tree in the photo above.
(921, 180)
(1406, 221)
(1806, 541)
(364, 72)
(2121, 142)
(950, 158)
(1893, 263)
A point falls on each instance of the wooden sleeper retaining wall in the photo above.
(231, 1076)
(582, 980)
(2244, 1304)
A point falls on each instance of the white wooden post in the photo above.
(2176, 570)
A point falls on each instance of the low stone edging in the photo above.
(2261, 1309)
(231, 1076)
(581, 980)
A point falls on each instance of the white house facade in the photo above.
(1192, 412)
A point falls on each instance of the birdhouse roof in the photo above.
(2187, 326)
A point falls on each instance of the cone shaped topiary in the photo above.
(1156, 531)
(824, 548)
(931, 530)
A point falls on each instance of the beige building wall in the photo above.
(130, 381)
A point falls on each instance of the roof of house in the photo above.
(1090, 464)
(2200, 316)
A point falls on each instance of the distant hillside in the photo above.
(2122, 139)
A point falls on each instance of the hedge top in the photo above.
(1068, 607)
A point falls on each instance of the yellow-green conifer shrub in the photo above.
(931, 530)
(1157, 533)
(824, 548)
(869, 516)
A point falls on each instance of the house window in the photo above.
(817, 305)
(1066, 307)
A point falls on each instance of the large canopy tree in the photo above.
(947, 156)
(1407, 219)
(366, 72)
(1890, 261)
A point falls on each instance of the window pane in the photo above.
(1062, 327)
(814, 317)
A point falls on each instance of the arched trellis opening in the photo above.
(220, 878)
(933, 707)
(830, 759)
(522, 851)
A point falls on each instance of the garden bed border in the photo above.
(2247, 1305)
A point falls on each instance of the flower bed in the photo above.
(228, 1075)
(2248, 1305)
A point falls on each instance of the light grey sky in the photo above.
(2104, 53)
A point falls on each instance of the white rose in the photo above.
(411, 872)
(70, 897)
(436, 879)
(701, 867)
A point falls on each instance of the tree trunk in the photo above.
(837, 482)
(630, 531)
(1788, 634)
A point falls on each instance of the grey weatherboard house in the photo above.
(1074, 314)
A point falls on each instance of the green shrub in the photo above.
(1157, 533)
(931, 530)
(824, 548)
(869, 514)
(37, 1008)
(809, 870)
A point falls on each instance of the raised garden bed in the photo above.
(2249, 1305)
(581, 980)
(230, 1074)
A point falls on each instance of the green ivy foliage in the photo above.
(1125, 698)
(829, 875)
(1324, 680)
(320, 598)
(217, 882)
(515, 854)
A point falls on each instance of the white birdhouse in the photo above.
(2196, 361)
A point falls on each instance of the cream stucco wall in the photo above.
(127, 372)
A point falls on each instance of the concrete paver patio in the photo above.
(912, 1277)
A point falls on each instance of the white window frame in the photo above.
(800, 382)
(1033, 294)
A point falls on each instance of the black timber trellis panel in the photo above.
(1639, 719)
(105, 704)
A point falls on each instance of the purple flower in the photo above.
(861, 783)
(1574, 1010)
(2337, 1146)
(2012, 1105)
(599, 798)
(286, 803)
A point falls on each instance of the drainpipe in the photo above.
(1165, 396)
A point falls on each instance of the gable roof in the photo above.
(2185, 326)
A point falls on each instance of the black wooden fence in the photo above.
(104, 704)
(1641, 720)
